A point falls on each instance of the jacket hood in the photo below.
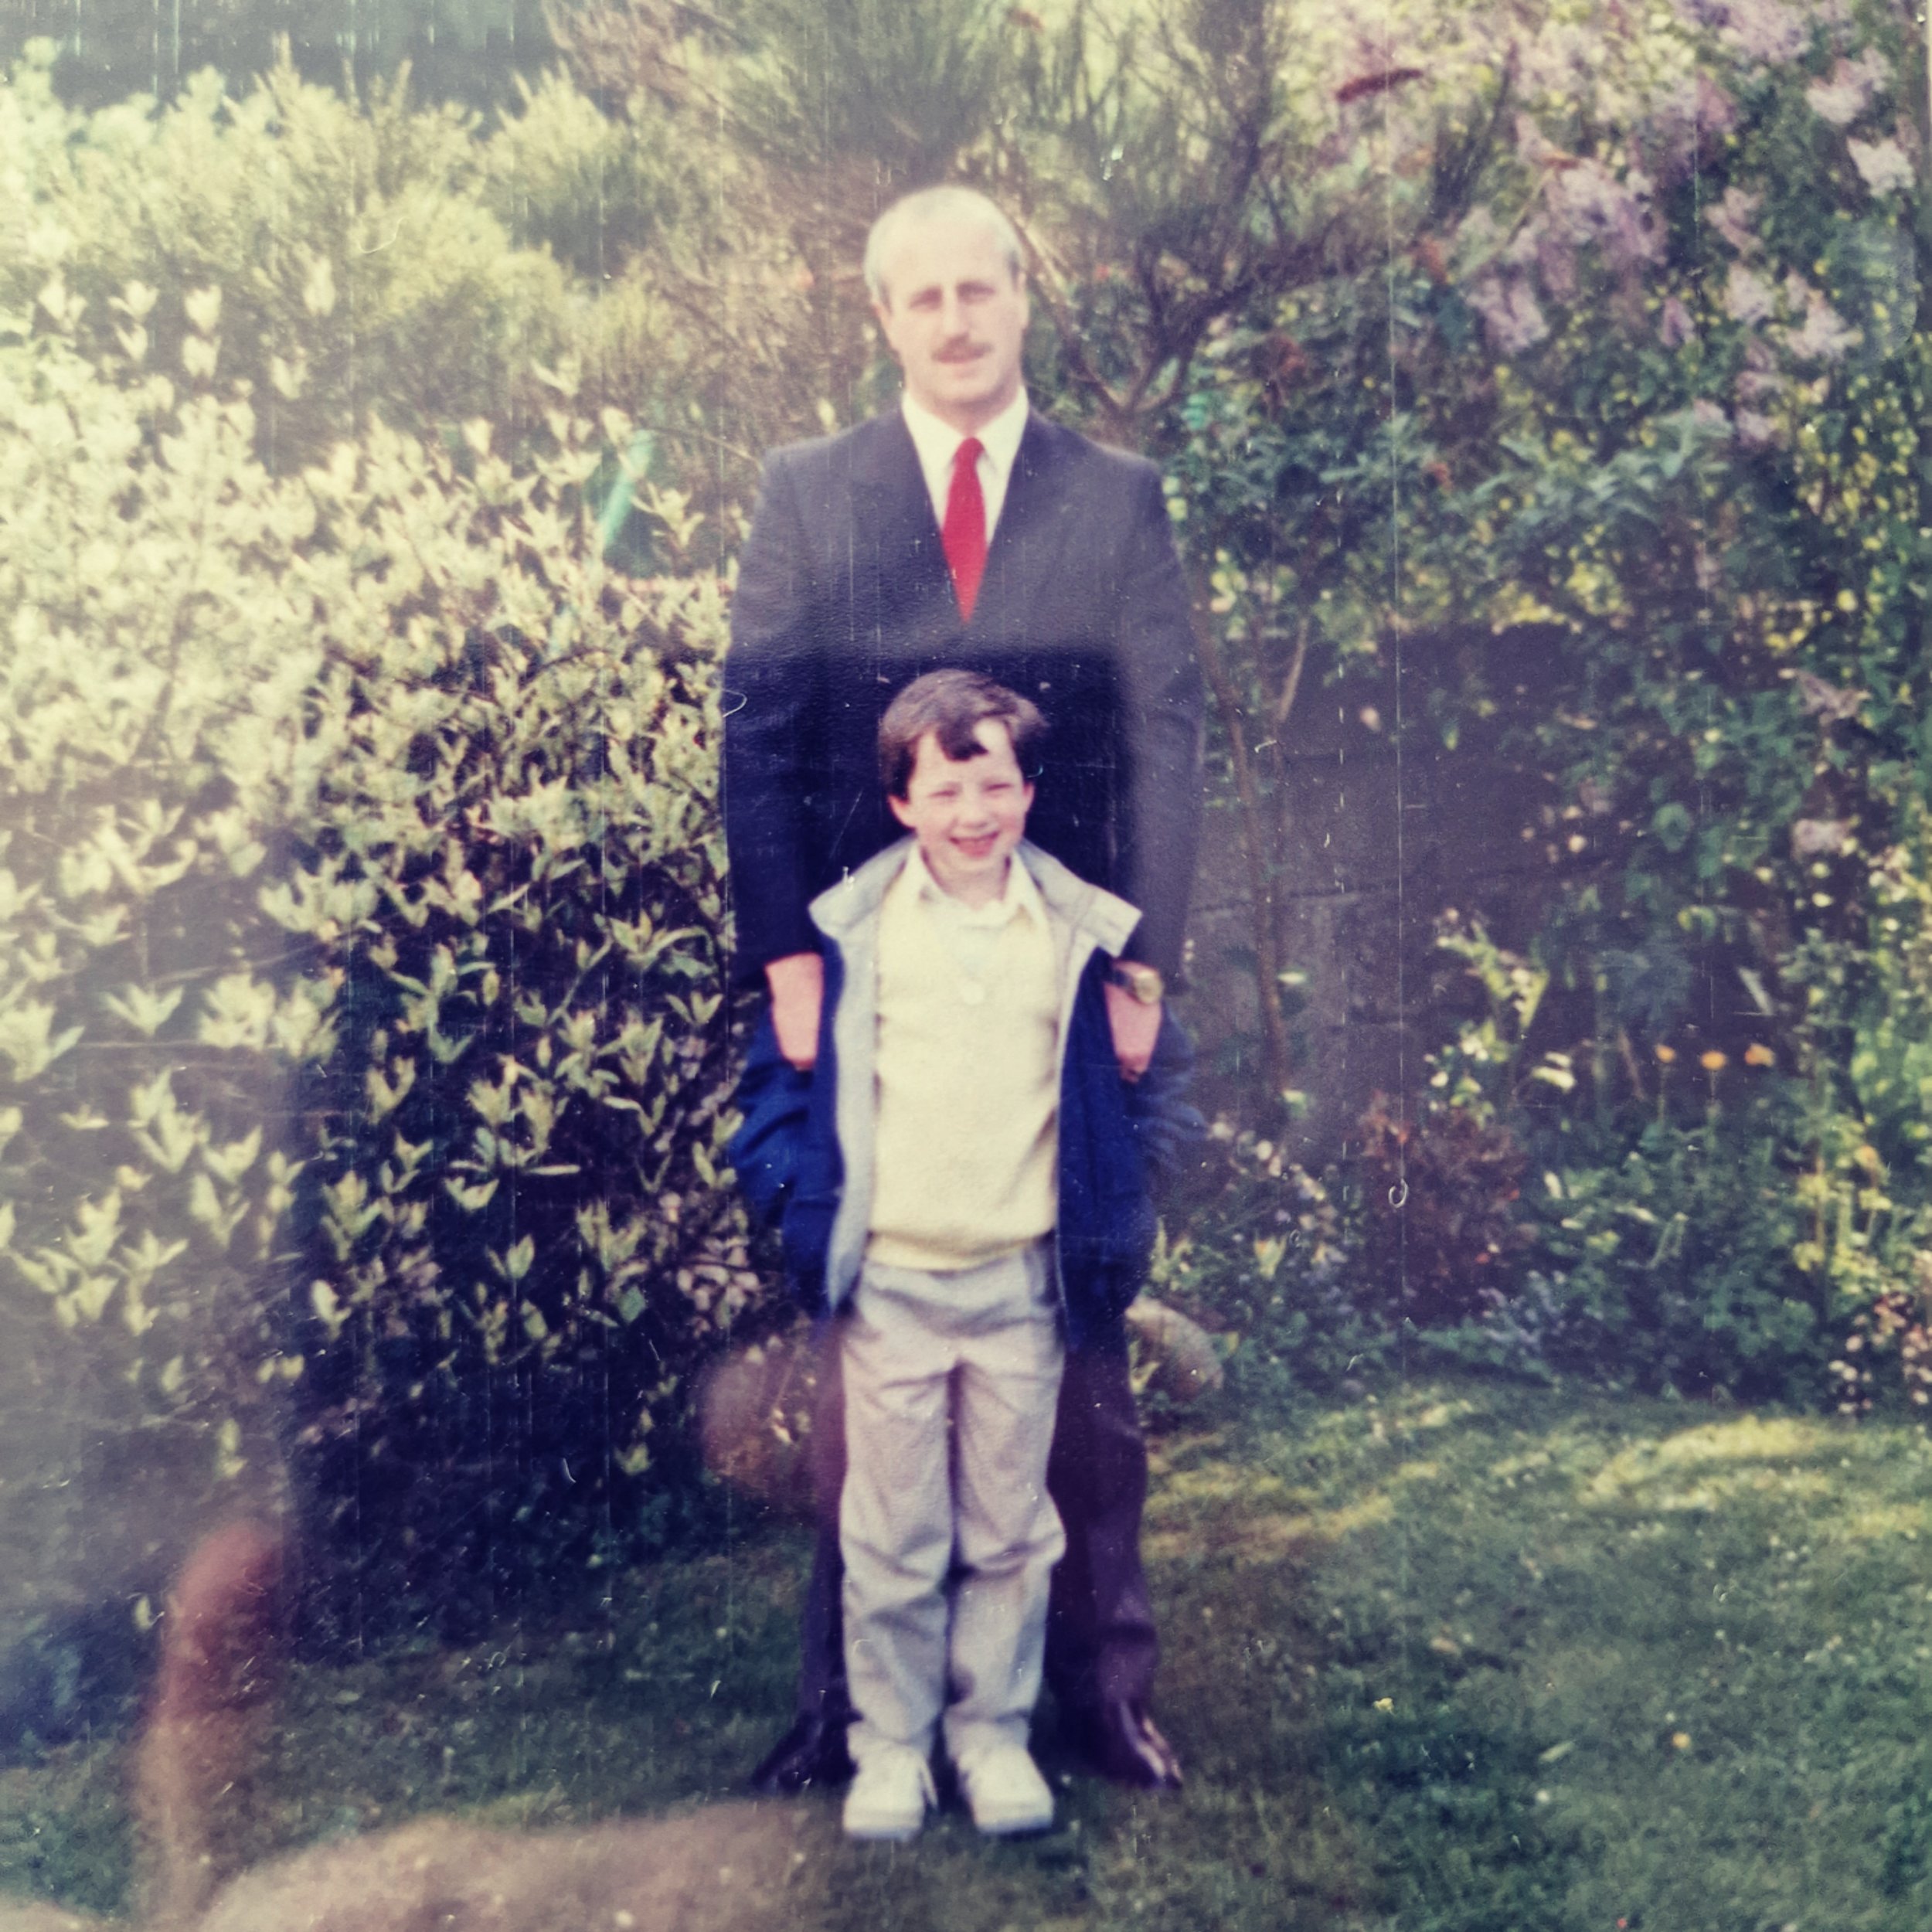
(1105, 918)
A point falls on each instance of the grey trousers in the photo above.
(1101, 1645)
(950, 1383)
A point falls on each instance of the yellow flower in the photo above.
(1681, 1740)
(1757, 1056)
(1713, 1062)
(1664, 1053)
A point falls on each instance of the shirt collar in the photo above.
(937, 442)
(1021, 894)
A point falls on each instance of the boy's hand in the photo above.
(798, 984)
(1135, 1026)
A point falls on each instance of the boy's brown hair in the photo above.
(953, 705)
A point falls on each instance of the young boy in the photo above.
(963, 1182)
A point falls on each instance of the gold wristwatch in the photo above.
(1143, 982)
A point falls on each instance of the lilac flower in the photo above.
(1629, 235)
(1683, 120)
(1882, 164)
(1557, 60)
(1760, 378)
(1557, 265)
(1769, 31)
(1747, 297)
(1716, 111)
(1526, 244)
(1824, 335)
(1755, 431)
(1733, 216)
(1534, 148)
(1512, 317)
(1674, 326)
(1847, 91)
(1588, 203)
(1723, 13)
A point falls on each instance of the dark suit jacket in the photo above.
(843, 597)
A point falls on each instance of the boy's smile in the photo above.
(967, 814)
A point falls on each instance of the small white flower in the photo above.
(1881, 163)
(1824, 335)
(1748, 296)
(1734, 216)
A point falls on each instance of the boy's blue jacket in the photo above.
(803, 1153)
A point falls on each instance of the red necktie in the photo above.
(964, 535)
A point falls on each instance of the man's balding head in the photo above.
(944, 268)
(927, 205)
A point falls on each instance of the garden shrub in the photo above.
(1671, 1267)
(1258, 1252)
(1440, 1237)
(364, 1041)
(360, 263)
(1648, 368)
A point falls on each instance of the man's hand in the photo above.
(1135, 1025)
(798, 984)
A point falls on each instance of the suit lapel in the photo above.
(1030, 535)
(893, 524)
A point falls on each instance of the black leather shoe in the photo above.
(1124, 1744)
(812, 1752)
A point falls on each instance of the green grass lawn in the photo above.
(1462, 1657)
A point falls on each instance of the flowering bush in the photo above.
(1260, 1251)
(1441, 1235)
(1657, 383)
(363, 1034)
(362, 250)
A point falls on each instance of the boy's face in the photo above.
(967, 814)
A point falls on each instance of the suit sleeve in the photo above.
(1161, 696)
(770, 677)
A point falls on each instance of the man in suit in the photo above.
(964, 530)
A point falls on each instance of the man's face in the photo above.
(955, 315)
(967, 814)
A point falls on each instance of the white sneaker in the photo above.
(1005, 1791)
(890, 1794)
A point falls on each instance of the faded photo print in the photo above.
(965, 967)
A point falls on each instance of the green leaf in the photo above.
(1671, 824)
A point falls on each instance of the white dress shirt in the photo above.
(937, 444)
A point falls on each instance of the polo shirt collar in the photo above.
(1021, 894)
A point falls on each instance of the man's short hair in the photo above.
(933, 204)
(953, 705)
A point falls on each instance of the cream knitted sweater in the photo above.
(966, 1067)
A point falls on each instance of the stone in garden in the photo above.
(754, 1419)
(1179, 1354)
